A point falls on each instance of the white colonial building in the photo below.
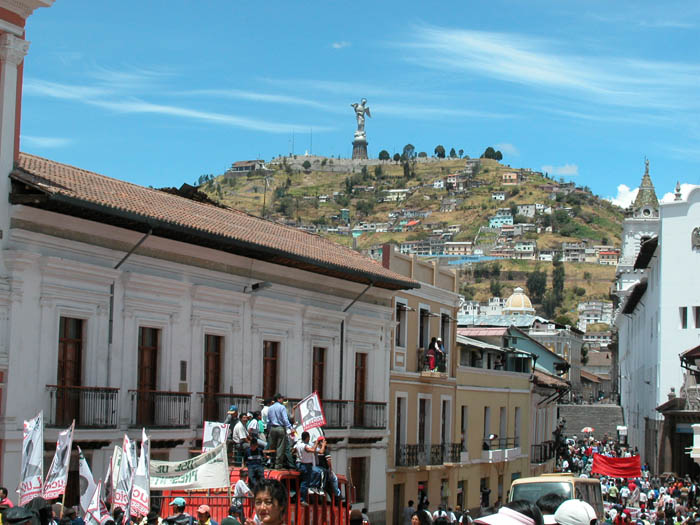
(124, 307)
(659, 319)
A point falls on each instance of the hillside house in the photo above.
(590, 256)
(244, 167)
(496, 221)
(523, 228)
(439, 184)
(503, 211)
(345, 215)
(448, 205)
(609, 257)
(539, 207)
(322, 199)
(573, 251)
(498, 196)
(511, 178)
(454, 228)
(525, 250)
(395, 195)
(508, 230)
(545, 255)
(594, 312)
(527, 210)
(458, 248)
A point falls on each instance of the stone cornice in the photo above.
(13, 49)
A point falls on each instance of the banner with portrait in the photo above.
(312, 415)
(124, 476)
(93, 513)
(87, 481)
(32, 473)
(213, 435)
(57, 478)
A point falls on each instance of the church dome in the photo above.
(518, 303)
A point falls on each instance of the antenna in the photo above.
(292, 142)
(311, 140)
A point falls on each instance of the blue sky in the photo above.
(160, 92)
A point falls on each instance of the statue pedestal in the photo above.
(359, 148)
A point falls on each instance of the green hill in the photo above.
(310, 192)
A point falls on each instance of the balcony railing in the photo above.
(542, 452)
(156, 408)
(215, 406)
(501, 443)
(336, 412)
(420, 455)
(369, 414)
(91, 407)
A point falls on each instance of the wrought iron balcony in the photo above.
(421, 455)
(369, 414)
(216, 405)
(542, 452)
(156, 408)
(89, 406)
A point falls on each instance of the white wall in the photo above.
(182, 290)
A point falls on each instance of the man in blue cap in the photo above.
(231, 420)
(180, 517)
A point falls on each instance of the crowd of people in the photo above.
(267, 439)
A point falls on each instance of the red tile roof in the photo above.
(82, 193)
(545, 379)
(483, 332)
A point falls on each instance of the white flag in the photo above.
(32, 473)
(140, 489)
(57, 478)
(113, 473)
(123, 476)
(87, 481)
(93, 514)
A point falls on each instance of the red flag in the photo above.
(617, 467)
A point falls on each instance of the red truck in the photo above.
(322, 510)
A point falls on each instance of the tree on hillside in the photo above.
(365, 207)
(384, 155)
(453, 154)
(461, 152)
(306, 165)
(409, 151)
(558, 276)
(397, 157)
(490, 153)
(496, 287)
(422, 155)
(537, 285)
(440, 151)
(549, 304)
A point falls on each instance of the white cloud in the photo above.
(685, 189)
(341, 44)
(625, 196)
(44, 142)
(121, 103)
(545, 64)
(567, 170)
(507, 149)
(263, 97)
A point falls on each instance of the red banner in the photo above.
(617, 467)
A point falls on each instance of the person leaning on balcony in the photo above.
(431, 354)
(277, 425)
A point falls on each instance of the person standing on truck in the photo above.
(307, 461)
(253, 459)
(277, 425)
(240, 492)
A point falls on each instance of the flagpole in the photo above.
(63, 504)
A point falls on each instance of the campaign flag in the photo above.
(87, 481)
(93, 514)
(617, 467)
(206, 471)
(32, 473)
(108, 481)
(213, 435)
(122, 487)
(57, 478)
(311, 412)
(140, 488)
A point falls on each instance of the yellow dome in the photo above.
(518, 303)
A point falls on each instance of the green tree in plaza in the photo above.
(397, 157)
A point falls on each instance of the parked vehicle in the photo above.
(566, 485)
